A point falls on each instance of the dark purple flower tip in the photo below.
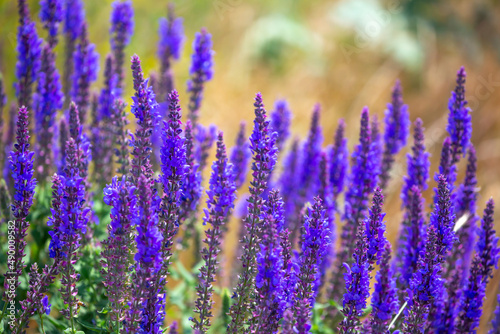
(446, 166)
(172, 37)
(375, 228)
(281, 118)
(201, 61)
(443, 217)
(240, 156)
(397, 121)
(459, 118)
(487, 244)
(339, 160)
(466, 196)
(51, 14)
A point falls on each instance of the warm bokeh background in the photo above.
(343, 54)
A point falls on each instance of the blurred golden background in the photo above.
(343, 54)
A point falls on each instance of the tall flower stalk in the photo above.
(21, 166)
(240, 156)
(262, 144)
(121, 31)
(221, 196)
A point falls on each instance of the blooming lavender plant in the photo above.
(145, 110)
(315, 243)
(281, 118)
(120, 195)
(459, 119)
(48, 99)
(221, 196)
(51, 14)
(74, 18)
(201, 71)
(170, 45)
(86, 66)
(339, 160)
(397, 123)
(240, 156)
(262, 144)
(121, 31)
(29, 56)
(21, 166)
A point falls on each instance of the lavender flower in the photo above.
(397, 123)
(47, 100)
(173, 173)
(74, 18)
(446, 166)
(204, 139)
(288, 181)
(411, 238)
(120, 195)
(314, 246)
(28, 56)
(262, 144)
(270, 281)
(375, 229)
(63, 138)
(487, 244)
(121, 30)
(51, 14)
(201, 71)
(384, 300)
(361, 183)
(146, 303)
(311, 156)
(240, 155)
(357, 283)
(86, 66)
(281, 117)
(172, 37)
(418, 164)
(339, 160)
(122, 137)
(459, 119)
(145, 109)
(69, 218)
(426, 282)
(108, 92)
(221, 196)
(21, 166)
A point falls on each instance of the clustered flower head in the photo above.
(146, 192)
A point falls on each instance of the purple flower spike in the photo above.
(121, 30)
(281, 117)
(122, 136)
(108, 92)
(384, 300)
(47, 101)
(21, 166)
(74, 18)
(446, 167)
(201, 71)
(145, 110)
(339, 160)
(357, 284)
(51, 14)
(262, 144)
(120, 195)
(411, 239)
(69, 220)
(29, 49)
(418, 164)
(240, 156)
(487, 244)
(375, 229)
(486, 258)
(170, 45)
(288, 182)
(220, 202)
(362, 181)
(270, 280)
(315, 245)
(145, 297)
(397, 124)
(86, 67)
(311, 155)
(443, 218)
(459, 119)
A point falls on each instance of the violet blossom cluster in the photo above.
(287, 274)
